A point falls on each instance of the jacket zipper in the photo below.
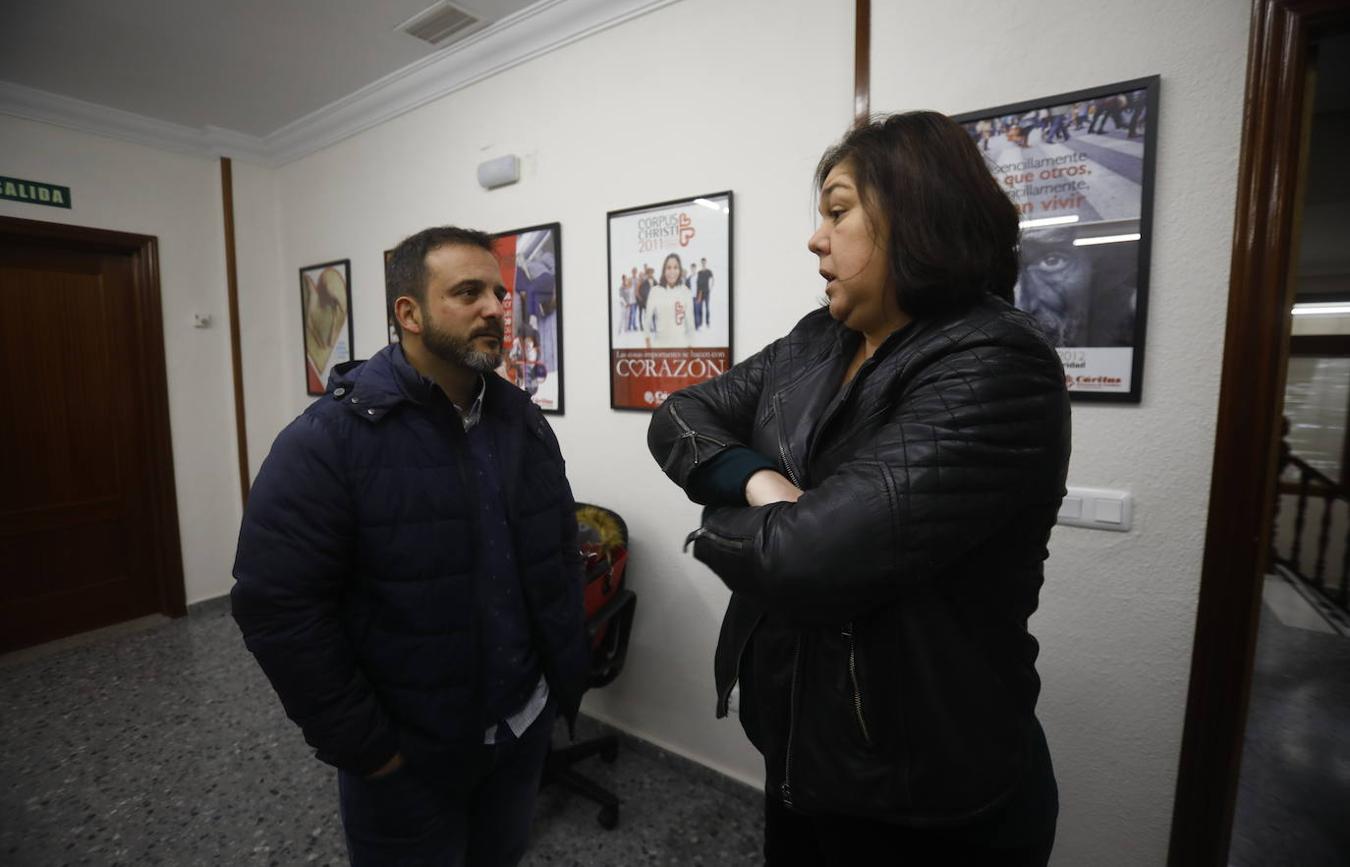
(853, 679)
(704, 532)
(786, 788)
(782, 443)
(689, 434)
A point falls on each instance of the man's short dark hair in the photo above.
(406, 271)
(952, 232)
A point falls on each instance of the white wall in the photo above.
(130, 188)
(1118, 611)
(269, 293)
(697, 97)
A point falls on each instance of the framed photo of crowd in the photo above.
(326, 315)
(1079, 168)
(669, 298)
(532, 351)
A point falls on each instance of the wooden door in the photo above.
(88, 521)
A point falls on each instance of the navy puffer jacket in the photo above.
(354, 575)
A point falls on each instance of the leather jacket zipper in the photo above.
(786, 788)
(705, 533)
(688, 433)
(853, 679)
(782, 441)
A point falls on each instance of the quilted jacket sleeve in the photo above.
(980, 435)
(698, 423)
(294, 556)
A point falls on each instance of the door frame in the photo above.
(1242, 489)
(143, 251)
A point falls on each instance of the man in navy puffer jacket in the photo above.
(408, 575)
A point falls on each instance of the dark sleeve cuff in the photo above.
(721, 481)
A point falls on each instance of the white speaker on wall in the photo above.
(499, 172)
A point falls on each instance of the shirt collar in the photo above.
(474, 414)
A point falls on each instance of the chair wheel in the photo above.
(609, 753)
(608, 817)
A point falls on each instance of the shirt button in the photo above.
(339, 391)
(370, 412)
(354, 400)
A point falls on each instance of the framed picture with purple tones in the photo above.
(532, 351)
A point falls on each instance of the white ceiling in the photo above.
(250, 66)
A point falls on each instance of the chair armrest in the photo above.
(616, 603)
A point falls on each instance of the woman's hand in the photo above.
(770, 486)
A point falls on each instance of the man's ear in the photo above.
(408, 314)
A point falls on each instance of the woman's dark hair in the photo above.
(676, 257)
(405, 272)
(952, 233)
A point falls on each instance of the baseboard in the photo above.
(208, 607)
(708, 775)
(1335, 619)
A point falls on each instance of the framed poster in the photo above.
(1079, 168)
(532, 352)
(326, 315)
(388, 313)
(669, 298)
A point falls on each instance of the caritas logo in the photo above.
(655, 398)
(1096, 382)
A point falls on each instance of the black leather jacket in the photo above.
(878, 625)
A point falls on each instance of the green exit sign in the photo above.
(34, 192)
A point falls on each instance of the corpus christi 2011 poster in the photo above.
(670, 298)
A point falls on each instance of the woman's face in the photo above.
(671, 271)
(852, 253)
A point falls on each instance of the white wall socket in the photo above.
(1097, 509)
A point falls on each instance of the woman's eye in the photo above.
(836, 214)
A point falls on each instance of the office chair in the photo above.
(609, 621)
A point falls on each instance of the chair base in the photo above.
(558, 769)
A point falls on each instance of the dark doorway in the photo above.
(1246, 486)
(88, 519)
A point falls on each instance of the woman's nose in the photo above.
(817, 243)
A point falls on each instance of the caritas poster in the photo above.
(669, 298)
(1079, 169)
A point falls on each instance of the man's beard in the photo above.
(453, 350)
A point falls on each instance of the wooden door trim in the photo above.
(144, 253)
(1247, 436)
(236, 353)
(862, 61)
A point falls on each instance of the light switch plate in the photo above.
(1097, 509)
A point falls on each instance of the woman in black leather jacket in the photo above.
(881, 484)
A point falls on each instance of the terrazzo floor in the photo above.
(167, 746)
(1295, 783)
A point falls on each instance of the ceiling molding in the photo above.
(53, 108)
(516, 39)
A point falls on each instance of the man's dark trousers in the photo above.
(481, 819)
